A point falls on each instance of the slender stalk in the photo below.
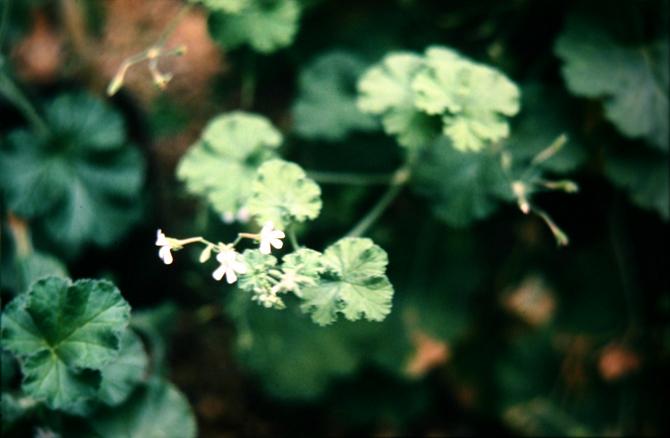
(14, 94)
(349, 178)
(399, 180)
(292, 238)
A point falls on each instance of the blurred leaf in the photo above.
(472, 98)
(385, 89)
(283, 194)
(326, 105)
(462, 187)
(354, 283)
(221, 166)
(230, 6)
(545, 116)
(64, 333)
(122, 375)
(264, 25)
(292, 358)
(156, 325)
(83, 183)
(155, 409)
(644, 175)
(31, 268)
(542, 417)
(633, 80)
(257, 279)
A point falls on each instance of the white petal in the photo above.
(218, 274)
(265, 247)
(165, 254)
(267, 228)
(277, 243)
(277, 234)
(160, 238)
(239, 267)
(230, 276)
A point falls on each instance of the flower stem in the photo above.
(291, 237)
(349, 178)
(398, 181)
(14, 94)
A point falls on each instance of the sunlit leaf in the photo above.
(282, 193)
(264, 25)
(354, 283)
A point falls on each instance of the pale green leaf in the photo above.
(354, 284)
(264, 25)
(230, 6)
(300, 269)
(633, 80)
(221, 166)
(386, 90)
(80, 185)
(63, 332)
(155, 409)
(257, 278)
(326, 105)
(282, 193)
(472, 97)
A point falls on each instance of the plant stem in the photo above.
(399, 179)
(363, 179)
(248, 86)
(14, 94)
(291, 237)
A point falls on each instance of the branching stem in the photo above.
(362, 179)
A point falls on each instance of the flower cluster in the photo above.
(230, 261)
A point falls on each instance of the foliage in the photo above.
(81, 183)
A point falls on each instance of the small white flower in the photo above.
(270, 237)
(166, 245)
(229, 266)
(228, 217)
(243, 215)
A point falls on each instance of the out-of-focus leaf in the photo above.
(472, 98)
(545, 116)
(283, 194)
(644, 175)
(354, 283)
(326, 105)
(221, 166)
(81, 184)
(292, 358)
(122, 375)
(264, 25)
(257, 279)
(65, 333)
(542, 417)
(31, 268)
(155, 409)
(386, 90)
(633, 80)
(230, 6)
(462, 187)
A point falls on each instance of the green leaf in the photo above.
(354, 284)
(122, 375)
(473, 98)
(264, 25)
(644, 175)
(230, 6)
(386, 90)
(292, 359)
(326, 106)
(633, 80)
(221, 166)
(257, 279)
(83, 183)
(156, 409)
(462, 187)
(31, 268)
(64, 332)
(282, 193)
(301, 268)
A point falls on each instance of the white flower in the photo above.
(270, 237)
(229, 266)
(166, 245)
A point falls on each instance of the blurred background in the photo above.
(494, 328)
